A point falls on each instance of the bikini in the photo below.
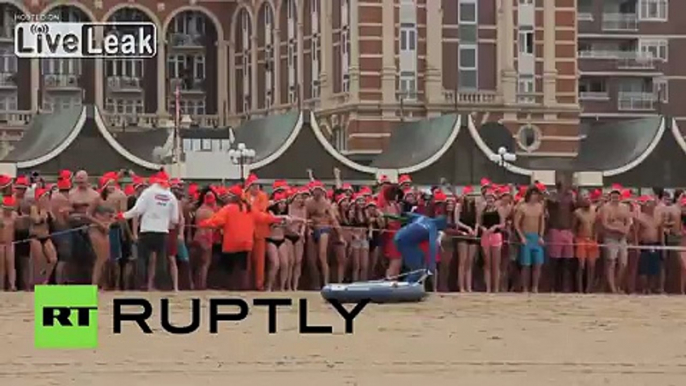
(51, 228)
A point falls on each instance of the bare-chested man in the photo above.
(530, 226)
(114, 199)
(7, 269)
(323, 221)
(22, 248)
(60, 208)
(84, 200)
(587, 250)
(650, 237)
(616, 218)
(670, 213)
(560, 206)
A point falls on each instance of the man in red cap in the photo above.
(61, 207)
(649, 225)
(616, 219)
(586, 238)
(529, 223)
(22, 250)
(7, 262)
(320, 213)
(259, 202)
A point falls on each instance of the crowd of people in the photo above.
(242, 237)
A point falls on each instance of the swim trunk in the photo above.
(172, 242)
(318, 232)
(650, 260)
(617, 250)
(390, 250)
(560, 244)
(182, 251)
(115, 242)
(672, 240)
(531, 253)
(492, 240)
(587, 249)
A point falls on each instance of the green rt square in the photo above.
(66, 316)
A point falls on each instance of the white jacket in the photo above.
(157, 208)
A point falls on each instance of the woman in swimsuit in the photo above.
(448, 244)
(468, 241)
(340, 209)
(99, 234)
(42, 249)
(202, 241)
(296, 238)
(277, 249)
(359, 239)
(377, 224)
(490, 222)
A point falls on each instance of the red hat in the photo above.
(595, 194)
(371, 202)
(279, 197)
(439, 196)
(108, 178)
(9, 202)
(235, 190)
(209, 198)
(40, 192)
(340, 198)
(66, 174)
(314, 185)
(384, 179)
(21, 182)
(347, 187)
(304, 190)
(251, 180)
(467, 190)
(279, 185)
(129, 189)
(616, 188)
(5, 181)
(64, 184)
(359, 196)
(491, 192)
(504, 191)
(541, 188)
(176, 182)
(485, 182)
(366, 191)
(626, 194)
(404, 179)
(329, 194)
(138, 182)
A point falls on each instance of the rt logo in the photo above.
(66, 316)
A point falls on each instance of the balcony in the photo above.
(636, 101)
(609, 61)
(636, 61)
(584, 16)
(620, 22)
(191, 41)
(8, 80)
(594, 96)
(61, 81)
(471, 97)
(194, 86)
(124, 84)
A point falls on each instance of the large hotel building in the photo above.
(539, 67)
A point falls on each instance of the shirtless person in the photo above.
(320, 213)
(587, 250)
(22, 248)
(202, 240)
(529, 223)
(114, 199)
(296, 236)
(650, 236)
(84, 199)
(60, 208)
(561, 237)
(617, 220)
(7, 220)
(670, 214)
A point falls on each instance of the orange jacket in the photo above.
(259, 204)
(238, 226)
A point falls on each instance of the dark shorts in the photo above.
(116, 238)
(152, 242)
(318, 232)
(233, 261)
(62, 241)
(650, 261)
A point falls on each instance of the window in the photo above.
(61, 66)
(8, 103)
(292, 94)
(661, 87)
(199, 70)
(315, 47)
(467, 74)
(187, 145)
(529, 138)
(526, 42)
(526, 2)
(657, 48)
(190, 107)
(8, 62)
(315, 88)
(340, 139)
(408, 85)
(526, 87)
(592, 85)
(124, 106)
(654, 10)
(467, 12)
(130, 68)
(63, 102)
(408, 37)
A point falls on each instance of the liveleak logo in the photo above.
(85, 40)
(66, 316)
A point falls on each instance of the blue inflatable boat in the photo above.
(376, 292)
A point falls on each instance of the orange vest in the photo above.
(259, 204)
(238, 226)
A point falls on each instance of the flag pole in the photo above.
(177, 133)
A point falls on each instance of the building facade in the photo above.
(360, 65)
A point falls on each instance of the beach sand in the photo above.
(475, 339)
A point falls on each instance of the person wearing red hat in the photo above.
(672, 226)
(490, 222)
(259, 201)
(295, 234)
(617, 222)
(649, 226)
(405, 182)
(5, 185)
(586, 239)
(203, 239)
(7, 259)
(43, 251)
(529, 223)
(560, 206)
(323, 221)
(237, 220)
(278, 249)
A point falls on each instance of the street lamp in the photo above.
(242, 156)
(503, 157)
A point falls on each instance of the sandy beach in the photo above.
(476, 339)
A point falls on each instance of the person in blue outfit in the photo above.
(409, 239)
